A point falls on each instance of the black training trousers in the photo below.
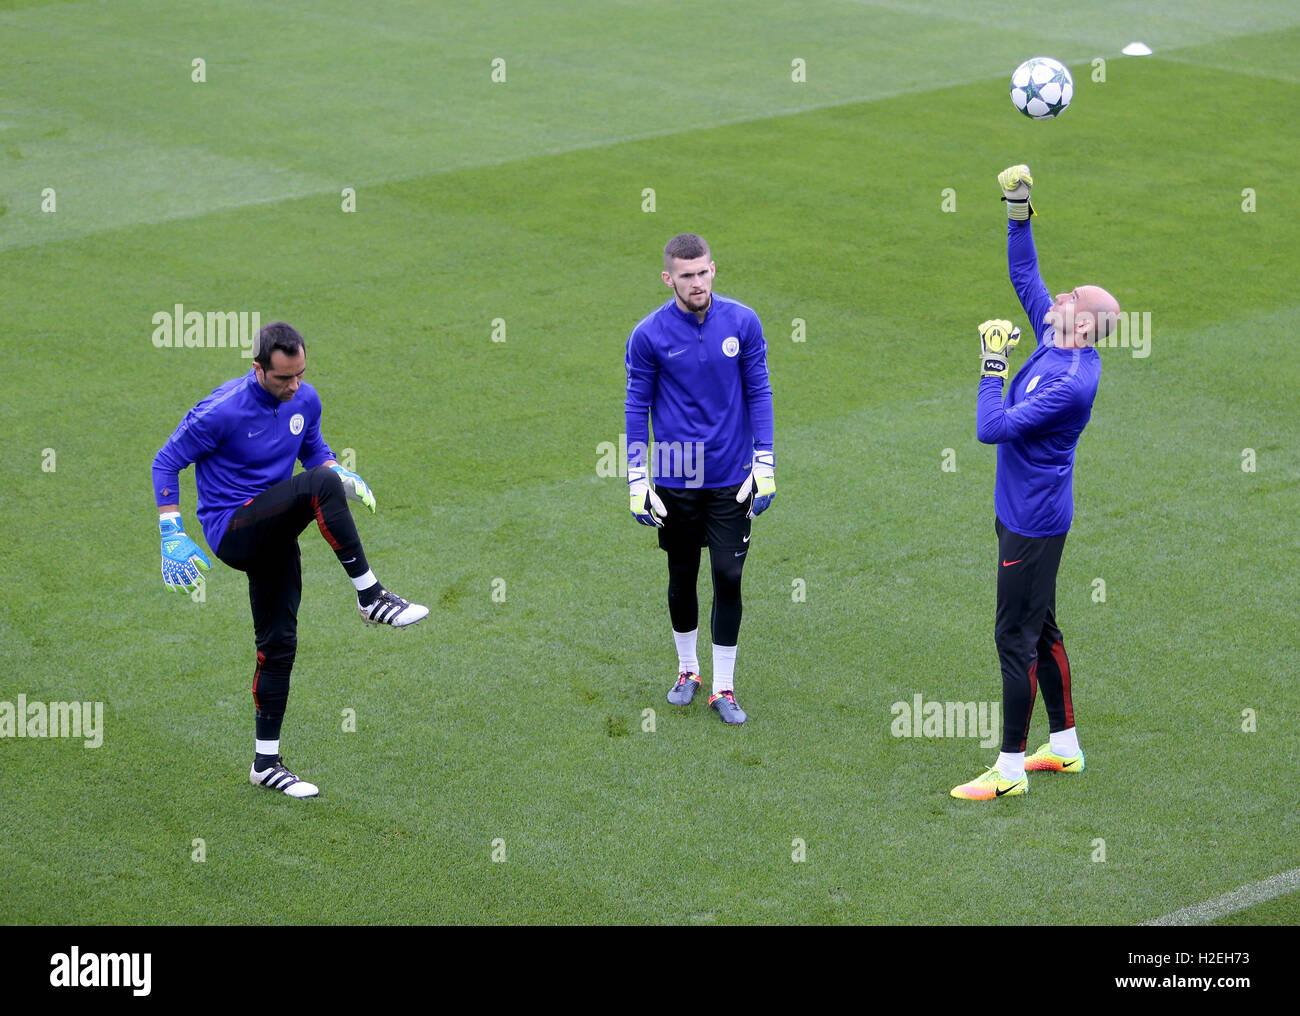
(700, 517)
(1028, 640)
(262, 540)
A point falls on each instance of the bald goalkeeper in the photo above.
(1036, 428)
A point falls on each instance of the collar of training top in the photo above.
(688, 316)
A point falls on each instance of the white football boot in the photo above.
(277, 777)
(391, 609)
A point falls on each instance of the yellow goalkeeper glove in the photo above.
(1015, 182)
(997, 339)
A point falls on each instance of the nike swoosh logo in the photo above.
(1066, 765)
(1008, 564)
(678, 353)
(255, 433)
(745, 539)
(999, 793)
(741, 553)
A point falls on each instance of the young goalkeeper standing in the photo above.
(698, 366)
(243, 440)
(1036, 428)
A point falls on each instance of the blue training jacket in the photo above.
(242, 440)
(1047, 405)
(705, 385)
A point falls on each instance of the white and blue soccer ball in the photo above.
(1042, 88)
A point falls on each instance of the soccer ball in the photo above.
(1042, 88)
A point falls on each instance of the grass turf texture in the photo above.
(522, 720)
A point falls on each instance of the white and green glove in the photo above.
(760, 485)
(647, 507)
(1015, 182)
(181, 557)
(997, 339)
(355, 487)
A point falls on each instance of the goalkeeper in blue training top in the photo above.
(243, 440)
(1036, 426)
(697, 367)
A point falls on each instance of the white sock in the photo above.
(266, 747)
(1065, 743)
(724, 669)
(1011, 764)
(687, 661)
(364, 581)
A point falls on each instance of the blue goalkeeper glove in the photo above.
(181, 557)
(647, 507)
(355, 487)
(760, 485)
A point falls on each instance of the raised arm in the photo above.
(1022, 258)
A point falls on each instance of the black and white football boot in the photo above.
(276, 776)
(390, 609)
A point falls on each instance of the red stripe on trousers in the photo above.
(261, 659)
(1033, 697)
(324, 529)
(1063, 665)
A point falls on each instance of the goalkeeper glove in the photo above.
(355, 487)
(647, 507)
(181, 556)
(997, 338)
(1015, 182)
(760, 485)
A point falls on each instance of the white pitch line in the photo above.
(1230, 903)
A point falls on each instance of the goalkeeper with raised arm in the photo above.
(698, 367)
(243, 440)
(1036, 427)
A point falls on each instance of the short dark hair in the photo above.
(277, 336)
(685, 247)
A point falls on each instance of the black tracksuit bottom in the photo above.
(1028, 640)
(262, 540)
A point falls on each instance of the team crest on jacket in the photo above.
(295, 423)
(731, 345)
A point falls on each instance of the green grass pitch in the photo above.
(503, 767)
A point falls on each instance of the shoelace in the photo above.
(387, 599)
(274, 775)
